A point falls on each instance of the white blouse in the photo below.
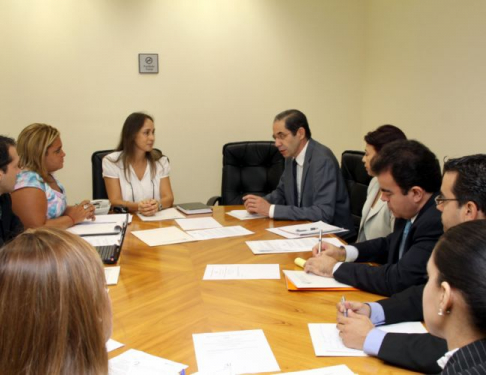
(133, 189)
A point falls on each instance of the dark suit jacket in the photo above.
(323, 191)
(470, 359)
(417, 352)
(395, 275)
(10, 224)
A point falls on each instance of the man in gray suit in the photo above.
(311, 187)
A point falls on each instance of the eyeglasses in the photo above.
(439, 199)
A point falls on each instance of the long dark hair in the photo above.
(460, 257)
(131, 127)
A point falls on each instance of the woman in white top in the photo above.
(137, 175)
(376, 219)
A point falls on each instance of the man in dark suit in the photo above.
(311, 187)
(10, 225)
(409, 178)
(462, 198)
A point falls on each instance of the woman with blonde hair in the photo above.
(39, 198)
(137, 175)
(55, 312)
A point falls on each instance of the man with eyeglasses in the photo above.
(10, 224)
(409, 177)
(311, 187)
(462, 198)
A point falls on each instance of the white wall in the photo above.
(227, 67)
(426, 72)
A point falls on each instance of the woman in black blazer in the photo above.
(454, 298)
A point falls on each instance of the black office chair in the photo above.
(357, 181)
(248, 168)
(99, 189)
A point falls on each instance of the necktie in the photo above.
(404, 238)
(294, 175)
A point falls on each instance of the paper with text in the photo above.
(162, 236)
(244, 215)
(301, 279)
(167, 214)
(198, 223)
(245, 351)
(223, 232)
(135, 362)
(110, 239)
(327, 343)
(112, 274)
(242, 272)
(306, 230)
(288, 246)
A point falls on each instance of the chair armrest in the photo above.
(213, 200)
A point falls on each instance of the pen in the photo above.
(343, 301)
(305, 230)
(320, 241)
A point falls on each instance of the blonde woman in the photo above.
(39, 198)
(137, 175)
(55, 312)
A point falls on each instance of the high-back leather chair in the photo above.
(99, 189)
(357, 181)
(248, 168)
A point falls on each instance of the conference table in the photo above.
(161, 299)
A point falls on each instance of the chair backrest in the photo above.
(357, 181)
(249, 168)
(99, 189)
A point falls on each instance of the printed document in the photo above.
(167, 214)
(112, 274)
(302, 280)
(135, 362)
(245, 351)
(327, 343)
(242, 272)
(223, 232)
(162, 236)
(288, 246)
(244, 215)
(198, 223)
(306, 230)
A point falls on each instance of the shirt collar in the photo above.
(301, 157)
(442, 361)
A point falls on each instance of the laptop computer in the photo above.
(110, 253)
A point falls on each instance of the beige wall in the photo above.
(426, 72)
(228, 66)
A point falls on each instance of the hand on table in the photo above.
(148, 207)
(256, 205)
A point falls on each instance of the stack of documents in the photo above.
(167, 214)
(162, 236)
(244, 215)
(288, 246)
(194, 208)
(300, 280)
(306, 230)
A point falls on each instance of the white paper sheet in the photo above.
(110, 239)
(305, 230)
(286, 246)
(118, 218)
(302, 280)
(244, 215)
(162, 236)
(331, 370)
(223, 232)
(96, 229)
(112, 345)
(326, 340)
(242, 272)
(135, 362)
(246, 352)
(198, 223)
(167, 214)
(112, 274)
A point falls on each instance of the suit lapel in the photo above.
(305, 170)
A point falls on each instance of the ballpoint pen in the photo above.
(343, 302)
(320, 241)
(305, 230)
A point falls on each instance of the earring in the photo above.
(441, 313)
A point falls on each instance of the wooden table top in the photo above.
(161, 299)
